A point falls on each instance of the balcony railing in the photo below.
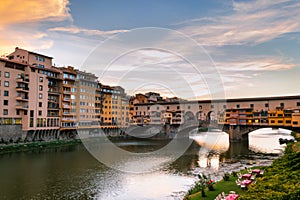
(22, 107)
(22, 88)
(22, 98)
(66, 106)
(23, 80)
(68, 119)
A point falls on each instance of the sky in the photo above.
(194, 49)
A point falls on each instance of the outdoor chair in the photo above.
(261, 173)
(243, 186)
(253, 176)
(223, 195)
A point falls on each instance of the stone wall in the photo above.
(8, 132)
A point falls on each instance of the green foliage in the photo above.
(280, 181)
(296, 135)
(35, 145)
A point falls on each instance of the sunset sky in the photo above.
(254, 44)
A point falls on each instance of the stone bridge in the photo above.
(236, 132)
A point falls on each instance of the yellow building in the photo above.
(296, 118)
(276, 117)
(106, 114)
(287, 121)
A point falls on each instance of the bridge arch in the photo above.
(241, 132)
(189, 116)
(211, 116)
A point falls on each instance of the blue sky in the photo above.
(253, 44)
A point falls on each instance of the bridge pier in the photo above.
(239, 132)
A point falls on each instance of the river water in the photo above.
(71, 172)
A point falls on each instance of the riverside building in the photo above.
(43, 102)
(29, 81)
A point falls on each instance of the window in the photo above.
(5, 102)
(40, 104)
(41, 88)
(40, 95)
(266, 105)
(41, 79)
(136, 108)
(40, 113)
(212, 106)
(238, 106)
(178, 107)
(168, 107)
(17, 112)
(251, 105)
(224, 106)
(31, 113)
(189, 107)
(5, 112)
(6, 75)
(39, 58)
(6, 93)
(281, 104)
(6, 83)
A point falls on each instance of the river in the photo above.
(71, 172)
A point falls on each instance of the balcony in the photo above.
(67, 91)
(22, 89)
(53, 108)
(66, 106)
(23, 80)
(68, 119)
(68, 113)
(66, 99)
(53, 90)
(21, 107)
(22, 98)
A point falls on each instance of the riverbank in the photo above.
(26, 146)
(280, 181)
(10, 148)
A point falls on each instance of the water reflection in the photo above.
(212, 144)
(217, 155)
(214, 140)
(72, 173)
(266, 140)
(209, 160)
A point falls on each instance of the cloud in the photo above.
(255, 64)
(250, 22)
(19, 11)
(37, 25)
(77, 30)
(22, 23)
